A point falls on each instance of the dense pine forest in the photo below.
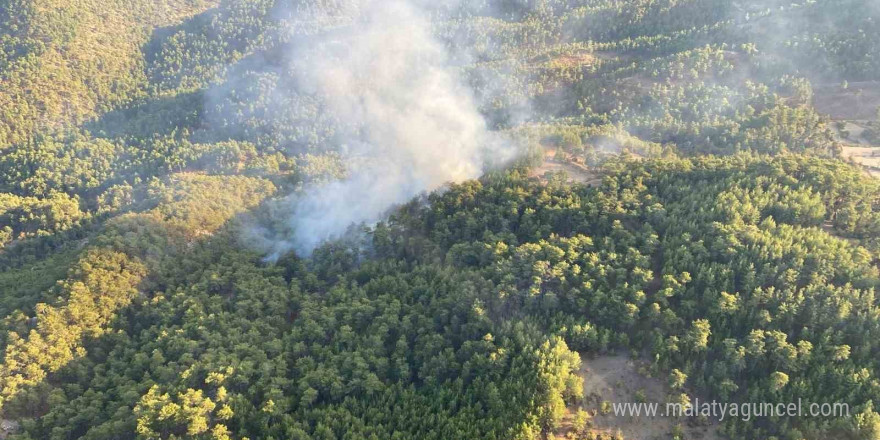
(412, 219)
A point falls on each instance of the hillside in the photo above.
(364, 219)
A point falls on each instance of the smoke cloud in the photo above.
(416, 125)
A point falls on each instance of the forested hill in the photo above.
(715, 218)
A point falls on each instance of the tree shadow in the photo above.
(169, 109)
(175, 256)
(160, 116)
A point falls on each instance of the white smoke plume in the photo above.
(416, 123)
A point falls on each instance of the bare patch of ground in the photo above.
(855, 132)
(858, 101)
(575, 172)
(571, 60)
(7, 427)
(867, 156)
(854, 110)
(619, 379)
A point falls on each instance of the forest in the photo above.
(407, 219)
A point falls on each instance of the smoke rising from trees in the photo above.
(414, 124)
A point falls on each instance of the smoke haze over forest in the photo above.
(411, 123)
(430, 220)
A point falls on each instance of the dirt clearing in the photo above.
(858, 101)
(575, 172)
(853, 132)
(868, 157)
(617, 379)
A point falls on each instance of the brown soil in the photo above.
(855, 132)
(867, 156)
(859, 101)
(7, 427)
(575, 172)
(572, 60)
(618, 379)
